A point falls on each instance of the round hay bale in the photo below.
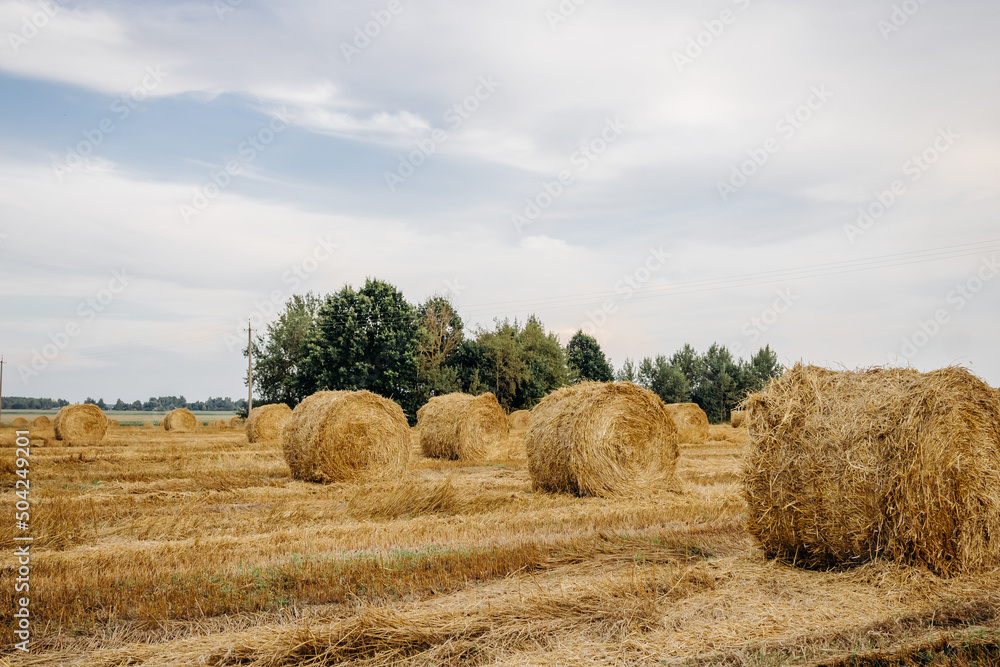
(460, 427)
(19, 422)
(737, 418)
(336, 436)
(691, 422)
(180, 420)
(41, 422)
(79, 424)
(519, 419)
(266, 422)
(601, 439)
(236, 421)
(149, 425)
(847, 467)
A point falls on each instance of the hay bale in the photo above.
(519, 419)
(460, 427)
(113, 422)
(19, 422)
(691, 422)
(335, 436)
(149, 425)
(219, 424)
(266, 422)
(601, 439)
(846, 467)
(180, 420)
(79, 424)
(236, 422)
(41, 422)
(737, 418)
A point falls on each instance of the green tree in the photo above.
(441, 335)
(690, 363)
(717, 389)
(663, 379)
(364, 339)
(628, 372)
(545, 361)
(278, 352)
(759, 370)
(586, 358)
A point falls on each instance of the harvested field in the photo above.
(164, 548)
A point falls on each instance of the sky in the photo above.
(817, 177)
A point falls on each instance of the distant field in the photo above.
(124, 417)
(160, 548)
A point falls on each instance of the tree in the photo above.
(689, 362)
(585, 356)
(717, 391)
(664, 380)
(627, 373)
(441, 334)
(759, 370)
(278, 352)
(364, 339)
(501, 363)
(546, 364)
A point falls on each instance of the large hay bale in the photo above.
(460, 427)
(737, 418)
(267, 421)
(80, 424)
(336, 436)
(601, 439)
(846, 467)
(691, 422)
(519, 419)
(180, 420)
(19, 422)
(41, 422)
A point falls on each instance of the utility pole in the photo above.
(1, 386)
(249, 368)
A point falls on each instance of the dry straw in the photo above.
(266, 422)
(520, 419)
(846, 467)
(19, 421)
(336, 436)
(601, 439)
(691, 421)
(236, 421)
(460, 427)
(42, 422)
(737, 418)
(113, 422)
(180, 420)
(80, 424)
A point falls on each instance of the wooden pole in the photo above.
(249, 369)
(1, 387)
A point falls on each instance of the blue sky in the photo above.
(657, 174)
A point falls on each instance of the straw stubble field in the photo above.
(164, 548)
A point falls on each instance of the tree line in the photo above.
(161, 404)
(373, 338)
